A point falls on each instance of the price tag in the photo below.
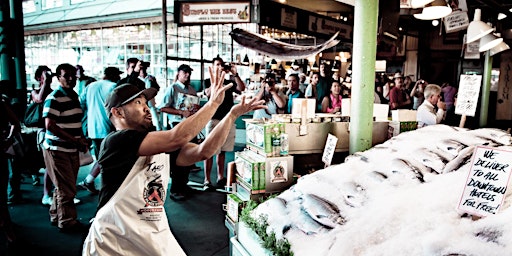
(330, 147)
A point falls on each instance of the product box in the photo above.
(259, 135)
(234, 206)
(278, 173)
(396, 128)
(247, 169)
(403, 115)
(261, 160)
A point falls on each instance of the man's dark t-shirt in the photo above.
(228, 102)
(119, 152)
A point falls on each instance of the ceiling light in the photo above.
(477, 28)
(435, 10)
(489, 41)
(435, 23)
(314, 67)
(246, 60)
(420, 3)
(501, 16)
(499, 48)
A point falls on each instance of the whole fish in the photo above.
(322, 211)
(463, 156)
(496, 135)
(404, 167)
(277, 49)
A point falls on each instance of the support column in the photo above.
(363, 74)
(486, 89)
(4, 45)
(19, 52)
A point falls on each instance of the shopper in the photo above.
(293, 91)
(269, 93)
(323, 87)
(398, 97)
(448, 93)
(133, 66)
(180, 102)
(150, 82)
(63, 140)
(221, 112)
(131, 218)
(98, 124)
(417, 93)
(332, 102)
(427, 113)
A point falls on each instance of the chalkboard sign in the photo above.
(330, 146)
(487, 181)
(467, 99)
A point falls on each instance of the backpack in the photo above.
(34, 115)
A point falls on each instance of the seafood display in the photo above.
(277, 49)
(397, 198)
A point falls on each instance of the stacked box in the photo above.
(248, 170)
(259, 135)
(396, 127)
(234, 206)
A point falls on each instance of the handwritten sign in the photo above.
(467, 100)
(330, 147)
(487, 181)
(456, 21)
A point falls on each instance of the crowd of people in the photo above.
(141, 145)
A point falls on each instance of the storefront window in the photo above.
(48, 4)
(29, 6)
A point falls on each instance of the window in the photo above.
(48, 4)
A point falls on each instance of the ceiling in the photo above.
(490, 10)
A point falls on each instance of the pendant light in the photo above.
(420, 3)
(477, 28)
(499, 48)
(246, 60)
(315, 67)
(488, 42)
(436, 10)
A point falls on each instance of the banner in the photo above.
(215, 12)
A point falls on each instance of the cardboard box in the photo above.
(234, 206)
(403, 115)
(248, 169)
(278, 173)
(396, 128)
(303, 108)
(259, 135)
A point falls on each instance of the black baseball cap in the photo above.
(185, 68)
(125, 93)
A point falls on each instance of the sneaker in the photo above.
(46, 200)
(76, 200)
(88, 186)
(208, 186)
(221, 183)
(75, 228)
(177, 196)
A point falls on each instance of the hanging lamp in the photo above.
(499, 48)
(477, 28)
(488, 42)
(436, 10)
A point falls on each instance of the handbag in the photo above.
(34, 115)
(85, 157)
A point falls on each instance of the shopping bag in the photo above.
(34, 115)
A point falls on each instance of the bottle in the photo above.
(276, 141)
(284, 144)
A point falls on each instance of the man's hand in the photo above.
(441, 105)
(217, 87)
(244, 107)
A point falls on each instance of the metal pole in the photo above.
(164, 38)
(19, 57)
(363, 67)
(4, 45)
(486, 89)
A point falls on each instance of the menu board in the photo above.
(487, 181)
(467, 99)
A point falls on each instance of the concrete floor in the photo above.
(197, 223)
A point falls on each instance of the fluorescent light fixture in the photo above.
(420, 3)
(433, 11)
(489, 41)
(477, 28)
(501, 16)
(499, 48)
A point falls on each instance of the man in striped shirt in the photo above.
(63, 139)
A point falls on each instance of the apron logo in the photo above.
(154, 192)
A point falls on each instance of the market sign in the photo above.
(214, 12)
(288, 18)
(456, 21)
(487, 181)
(330, 147)
(329, 27)
(467, 96)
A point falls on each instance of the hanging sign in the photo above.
(487, 181)
(467, 97)
(215, 12)
(456, 21)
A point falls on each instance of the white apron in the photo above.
(133, 221)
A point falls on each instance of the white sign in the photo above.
(456, 21)
(329, 27)
(288, 18)
(330, 147)
(487, 181)
(469, 88)
(218, 12)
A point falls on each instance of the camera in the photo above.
(226, 67)
(269, 82)
(145, 64)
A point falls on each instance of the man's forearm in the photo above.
(191, 126)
